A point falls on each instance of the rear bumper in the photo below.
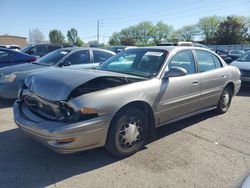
(87, 134)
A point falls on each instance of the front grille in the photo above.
(39, 107)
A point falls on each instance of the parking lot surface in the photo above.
(207, 150)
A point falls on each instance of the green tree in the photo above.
(231, 31)
(208, 27)
(56, 37)
(186, 33)
(144, 31)
(162, 32)
(114, 40)
(73, 37)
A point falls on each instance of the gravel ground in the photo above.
(203, 151)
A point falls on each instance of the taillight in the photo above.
(33, 59)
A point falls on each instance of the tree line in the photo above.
(57, 37)
(208, 30)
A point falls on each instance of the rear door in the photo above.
(180, 95)
(212, 77)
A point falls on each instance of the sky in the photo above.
(18, 16)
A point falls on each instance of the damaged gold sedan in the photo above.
(120, 104)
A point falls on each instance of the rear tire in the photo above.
(128, 133)
(225, 100)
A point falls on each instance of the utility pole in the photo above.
(29, 36)
(98, 26)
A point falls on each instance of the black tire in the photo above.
(225, 100)
(118, 137)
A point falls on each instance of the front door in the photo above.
(180, 95)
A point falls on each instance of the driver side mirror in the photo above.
(175, 72)
(65, 63)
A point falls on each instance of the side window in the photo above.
(183, 59)
(38, 50)
(52, 48)
(100, 56)
(217, 61)
(206, 61)
(79, 57)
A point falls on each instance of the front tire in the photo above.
(225, 100)
(128, 133)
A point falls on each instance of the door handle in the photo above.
(223, 76)
(195, 82)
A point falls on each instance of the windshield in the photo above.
(53, 57)
(139, 62)
(244, 57)
(26, 48)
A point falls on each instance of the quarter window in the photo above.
(183, 59)
(207, 61)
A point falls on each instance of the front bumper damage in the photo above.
(85, 134)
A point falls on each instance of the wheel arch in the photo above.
(231, 85)
(146, 109)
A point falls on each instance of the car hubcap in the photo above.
(130, 133)
(225, 100)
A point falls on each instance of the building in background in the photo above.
(13, 40)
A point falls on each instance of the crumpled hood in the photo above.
(26, 67)
(242, 65)
(56, 84)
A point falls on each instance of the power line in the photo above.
(173, 13)
(184, 16)
(153, 12)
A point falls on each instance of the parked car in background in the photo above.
(40, 50)
(12, 78)
(120, 104)
(243, 63)
(224, 55)
(9, 57)
(195, 44)
(235, 54)
(118, 49)
(13, 47)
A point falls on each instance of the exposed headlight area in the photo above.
(55, 110)
(7, 78)
(79, 115)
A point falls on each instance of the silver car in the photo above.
(121, 103)
(12, 77)
(243, 63)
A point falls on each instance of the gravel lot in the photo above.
(203, 151)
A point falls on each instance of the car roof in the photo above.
(85, 48)
(172, 48)
(7, 49)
